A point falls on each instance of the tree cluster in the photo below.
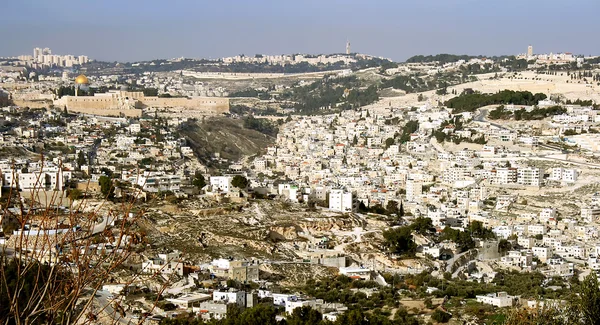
(469, 102)
(500, 113)
(261, 125)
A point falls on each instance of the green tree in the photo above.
(257, 315)
(304, 315)
(389, 142)
(392, 207)
(504, 246)
(400, 241)
(75, 194)
(423, 226)
(81, 159)
(150, 92)
(478, 230)
(588, 301)
(440, 316)
(199, 182)
(239, 181)
(106, 186)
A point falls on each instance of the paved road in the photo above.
(481, 117)
(104, 301)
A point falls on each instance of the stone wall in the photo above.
(130, 104)
(33, 103)
(215, 105)
(106, 112)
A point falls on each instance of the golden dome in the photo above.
(82, 80)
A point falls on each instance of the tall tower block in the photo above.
(529, 51)
(348, 47)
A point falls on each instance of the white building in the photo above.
(503, 176)
(356, 272)
(543, 253)
(529, 176)
(522, 259)
(169, 263)
(189, 300)
(590, 214)
(340, 201)
(560, 174)
(414, 190)
(547, 214)
(291, 305)
(230, 297)
(221, 183)
(499, 299)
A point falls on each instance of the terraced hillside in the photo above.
(224, 136)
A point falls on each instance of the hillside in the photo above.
(225, 136)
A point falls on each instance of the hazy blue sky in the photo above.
(128, 30)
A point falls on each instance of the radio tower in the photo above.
(348, 47)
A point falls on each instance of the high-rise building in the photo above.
(37, 52)
(529, 51)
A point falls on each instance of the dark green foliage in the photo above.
(251, 93)
(479, 231)
(512, 64)
(499, 113)
(26, 283)
(469, 102)
(258, 315)
(246, 110)
(400, 241)
(377, 208)
(392, 207)
(462, 238)
(261, 125)
(439, 135)
(588, 301)
(304, 316)
(389, 142)
(106, 186)
(239, 181)
(75, 194)
(324, 95)
(504, 246)
(521, 114)
(409, 128)
(150, 92)
(440, 316)
(81, 159)
(199, 182)
(409, 84)
(423, 226)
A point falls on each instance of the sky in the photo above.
(134, 30)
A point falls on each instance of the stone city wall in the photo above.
(106, 111)
(213, 105)
(33, 103)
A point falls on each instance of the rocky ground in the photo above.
(224, 136)
(271, 231)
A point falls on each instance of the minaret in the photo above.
(530, 51)
(348, 47)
